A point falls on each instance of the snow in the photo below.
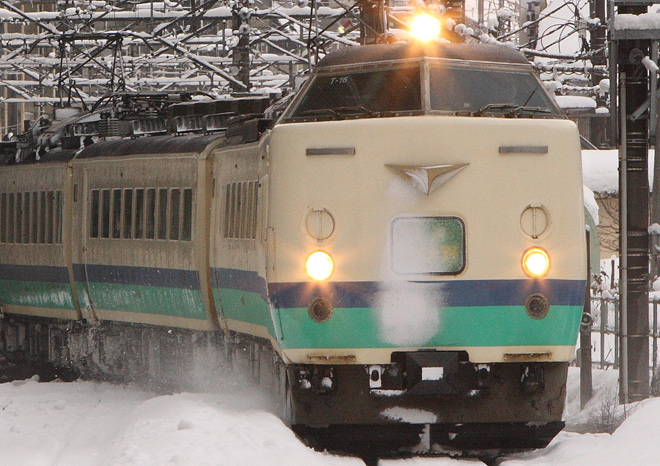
(636, 442)
(416, 416)
(418, 323)
(86, 423)
(649, 64)
(643, 21)
(90, 424)
(600, 170)
(575, 101)
(590, 204)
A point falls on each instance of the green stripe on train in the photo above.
(244, 306)
(157, 300)
(364, 328)
(36, 294)
(454, 326)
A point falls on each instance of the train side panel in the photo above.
(238, 240)
(134, 250)
(34, 266)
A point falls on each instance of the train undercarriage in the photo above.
(357, 409)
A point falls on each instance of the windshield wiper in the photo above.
(509, 110)
(524, 109)
(495, 108)
(357, 109)
(318, 112)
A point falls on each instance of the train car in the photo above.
(426, 176)
(34, 240)
(400, 256)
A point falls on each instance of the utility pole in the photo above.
(598, 40)
(373, 25)
(240, 23)
(586, 381)
(632, 82)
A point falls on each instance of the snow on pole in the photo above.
(650, 64)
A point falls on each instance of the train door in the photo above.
(86, 301)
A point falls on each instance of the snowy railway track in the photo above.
(100, 424)
(14, 367)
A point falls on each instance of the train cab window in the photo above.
(139, 213)
(150, 210)
(128, 213)
(162, 213)
(186, 230)
(175, 214)
(488, 91)
(3, 218)
(105, 213)
(361, 94)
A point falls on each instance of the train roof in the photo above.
(403, 50)
(169, 144)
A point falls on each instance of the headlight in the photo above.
(536, 262)
(425, 27)
(319, 265)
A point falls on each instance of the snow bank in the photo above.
(600, 170)
(636, 442)
(95, 424)
(187, 429)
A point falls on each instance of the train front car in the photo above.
(426, 249)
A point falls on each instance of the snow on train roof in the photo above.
(404, 50)
(170, 144)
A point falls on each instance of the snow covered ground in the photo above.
(95, 424)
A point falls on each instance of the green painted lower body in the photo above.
(140, 299)
(347, 328)
(244, 306)
(374, 328)
(440, 327)
(49, 295)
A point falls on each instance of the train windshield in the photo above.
(361, 94)
(488, 91)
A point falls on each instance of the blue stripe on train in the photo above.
(454, 293)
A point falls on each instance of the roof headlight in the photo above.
(319, 265)
(536, 262)
(425, 27)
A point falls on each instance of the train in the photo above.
(397, 251)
